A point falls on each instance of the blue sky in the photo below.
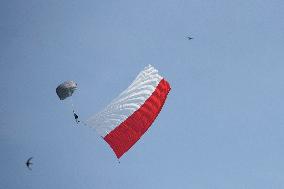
(221, 126)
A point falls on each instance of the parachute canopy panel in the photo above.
(129, 116)
(66, 89)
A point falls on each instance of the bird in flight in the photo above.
(29, 163)
(189, 38)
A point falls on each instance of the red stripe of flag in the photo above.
(124, 136)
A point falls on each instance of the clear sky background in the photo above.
(222, 125)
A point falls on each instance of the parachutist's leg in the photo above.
(77, 121)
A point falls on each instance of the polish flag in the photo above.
(128, 117)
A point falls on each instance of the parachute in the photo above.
(128, 117)
(66, 89)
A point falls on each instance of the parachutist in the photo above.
(29, 163)
(76, 117)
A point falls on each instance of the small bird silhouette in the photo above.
(29, 163)
(189, 38)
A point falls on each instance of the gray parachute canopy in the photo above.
(66, 89)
